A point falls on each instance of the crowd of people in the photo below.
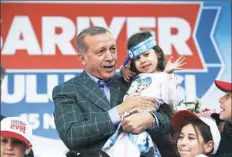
(101, 114)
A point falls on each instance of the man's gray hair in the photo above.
(90, 31)
(3, 72)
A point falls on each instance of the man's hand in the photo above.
(177, 65)
(137, 122)
(126, 73)
(137, 102)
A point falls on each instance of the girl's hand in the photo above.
(177, 65)
(126, 73)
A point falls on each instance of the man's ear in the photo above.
(208, 146)
(82, 58)
(27, 151)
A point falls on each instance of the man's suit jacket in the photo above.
(81, 112)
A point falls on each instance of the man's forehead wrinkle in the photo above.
(108, 42)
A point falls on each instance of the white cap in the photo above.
(14, 127)
(214, 131)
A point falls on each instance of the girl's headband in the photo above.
(139, 49)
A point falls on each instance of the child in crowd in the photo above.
(16, 137)
(198, 136)
(154, 79)
(225, 118)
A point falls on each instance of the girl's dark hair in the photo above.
(87, 153)
(140, 37)
(204, 130)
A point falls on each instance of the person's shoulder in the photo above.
(120, 81)
(66, 83)
(228, 128)
(229, 124)
(153, 76)
(166, 75)
(65, 86)
(117, 78)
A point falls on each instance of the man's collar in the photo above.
(92, 77)
(95, 79)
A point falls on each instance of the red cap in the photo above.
(178, 120)
(224, 86)
(14, 127)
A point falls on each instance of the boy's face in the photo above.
(11, 147)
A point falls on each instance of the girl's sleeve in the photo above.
(171, 92)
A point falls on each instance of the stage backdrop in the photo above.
(38, 50)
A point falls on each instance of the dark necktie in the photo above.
(102, 84)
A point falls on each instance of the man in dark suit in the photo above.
(89, 107)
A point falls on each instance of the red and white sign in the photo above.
(42, 35)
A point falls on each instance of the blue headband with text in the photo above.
(139, 49)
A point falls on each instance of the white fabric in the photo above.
(214, 131)
(161, 85)
(142, 142)
(123, 147)
(163, 88)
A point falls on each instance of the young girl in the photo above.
(198, 136)
(148, 62)
(154, 77)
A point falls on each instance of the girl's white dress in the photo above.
(163, 87)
